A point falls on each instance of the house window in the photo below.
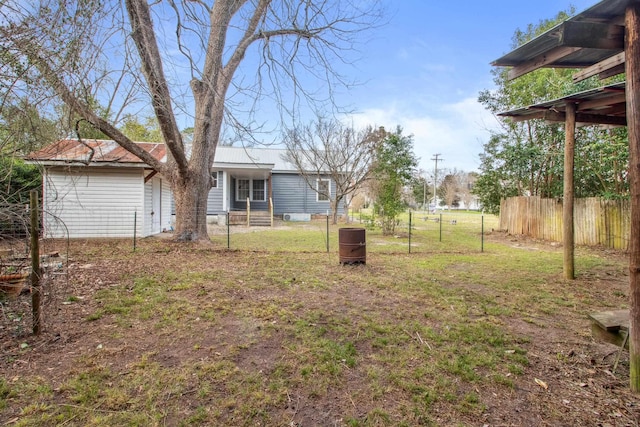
(258, 190)
(323, 190)
(255, 189)
(216, 177)
(243, 186)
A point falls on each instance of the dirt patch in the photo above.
(569, 378)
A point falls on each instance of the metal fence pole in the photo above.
(409, 231)
(482, 235)
(228, 232)
(135, 227)
(327, 232)
(440, 227)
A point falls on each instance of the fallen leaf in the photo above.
(541, 383)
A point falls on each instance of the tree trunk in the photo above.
(190, 196)
(334, 214)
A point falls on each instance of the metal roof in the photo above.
(94, 151)
(588, 38)
(262, 158)
(106, 152)
(604, 105)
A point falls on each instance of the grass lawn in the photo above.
(467, 329)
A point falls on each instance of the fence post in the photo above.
(36, 305)
(409, 231)
(228, 232)
(482, 234)
(327, 231)
(440, 222)
(135, 227)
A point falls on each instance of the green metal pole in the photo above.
(440, 227)
(409, 231)
(228, 233)
(327, 232)
(135, 226)
(482, 236)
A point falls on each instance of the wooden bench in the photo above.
(611, 326)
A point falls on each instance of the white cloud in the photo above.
(457, 132)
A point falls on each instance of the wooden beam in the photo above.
(615, 62)
(568, 190)
(151, 175)
(598, 119)
(632, 49)
(540, 61)
(619, 98)
(592, 35)
(612, 72)
(536, 115)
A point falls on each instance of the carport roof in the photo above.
(605, 105)
(593, 38)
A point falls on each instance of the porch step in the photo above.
(260, 222)
(258, 218)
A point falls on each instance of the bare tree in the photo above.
(329, 150)
(467, 181)
(450, 187)
(231, 53)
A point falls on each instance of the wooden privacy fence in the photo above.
(596, 221)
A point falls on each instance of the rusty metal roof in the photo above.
(94, 151)
(604, 105)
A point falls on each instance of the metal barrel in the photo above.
(352, 245)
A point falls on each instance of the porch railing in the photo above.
(271, 210)
(248, 212)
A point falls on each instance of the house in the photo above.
(95, 188)
(264, 179)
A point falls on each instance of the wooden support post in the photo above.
(567, 204)
(632, 68)
(35, 264)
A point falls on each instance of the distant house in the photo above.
(96, 188)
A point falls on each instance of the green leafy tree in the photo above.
(148, 131)
(17, 179)
(22, 130)
(526, 158)
(393, 168)
(420, 189)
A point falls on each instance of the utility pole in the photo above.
(437, 158)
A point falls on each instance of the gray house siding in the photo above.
(291, 194)
(214, 202)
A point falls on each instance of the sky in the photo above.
(425, 69)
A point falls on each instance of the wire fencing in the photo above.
(414, 232)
